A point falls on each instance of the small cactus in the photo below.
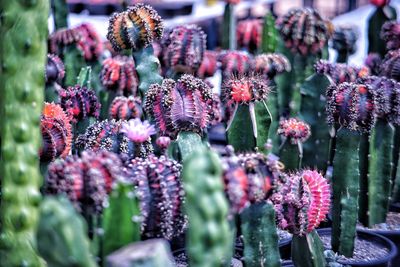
(208, 66)
(215, 110)
(55, 70)
(344, 41)
(339, 73)
(374, 62)
(390, 34)
(56, 130)
(235, 63)
(163, 143)
(270, 65)
(391, 65)
(248, 34)
(125, 108)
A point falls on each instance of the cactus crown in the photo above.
(235, 63)
(56, 133)
(304, 31)
(80, 102)
(248, 34)
(340, 73)
(245, 89)
(391, 65)
(119, 74)
(208, 66)
(135, 28)
(351, 105)
(295, 130)
(390, 33)
(55, 70)
(303, 202)
(161, 195)
(344, 39)
(125, 108)
(85, 180)
(179, 106)
(272, 64)
(107, 135)
(184, 48)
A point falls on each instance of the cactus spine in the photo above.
(23, 60)
(209, 238)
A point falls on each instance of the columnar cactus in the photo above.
(301, 205)
(55, 125)
(161, 196)
(249, 124)
(269, 40)
(23, 58)
(294, 133)
(108, 135)
(184, 49)
(209, 239)
(125, 108)
(339, 73)
(229, 25)
(208, 66)
(235, 63)
(60, 13)
(351, 107)
(344, 41)
(390, 34)
(136, 28)
(248, 34)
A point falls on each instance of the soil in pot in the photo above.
(370, 249)
(181, 259)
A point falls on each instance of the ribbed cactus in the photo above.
(55, 72)
(294, 133)
(351, 110)
(235, 63)
(107, 135)
(208, 66)
(373, 61)
(160, 192)
(61, 235)
(382, 14)
(248, 34)
(60, 13)
(136, 28)
(184, 49)
(344, 40)
(269, 41)
(228, 33)
(302, 203)
(23, 58)
(339, 73)
(180, 110)
(249, 122)
(209, 239)
(125, 108)
(390, 34)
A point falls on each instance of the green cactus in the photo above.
(23, 60)
(307, 250)
(60, 13)
(396, 188)
(345, 183)
(289, 155)
(260, 236)
(229, 28)
(121, 223)
(61, 235)
(240, 134)
(395, 173)
(312, 111)
(209, 239)
(269, 40)
(273, 106)
(285, 82)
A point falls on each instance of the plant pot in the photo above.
(373, 238)
(285, 250)
(395, 207)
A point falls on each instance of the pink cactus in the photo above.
(208, 66)
(295, 130)
(125, 108)
(248, 34)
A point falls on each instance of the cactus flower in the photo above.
(138, 131)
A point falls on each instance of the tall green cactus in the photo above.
(60, 13)
(345, 183)
(23, 29)
(260, 236)
(62, 239)
(289, 155)
(229, 27)
(121, 219)
(307, 250)
(269, 39)
(395, 173)
(209, 239)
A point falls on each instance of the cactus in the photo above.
(136, 28)
(55, 126)
(340, 73)
(215, 110)
(228, 40)
(248, 34)
(23, 58)
(161, 196)
(60, 13)
(235, 63)
(125, 108)
(209, 240)
(163, 143)
(208, 66)
(390, 34)
(61, 235)
(294, 133)
(269, 40)
(107, 135)
(302, 204)
(373, 62)
(184, 49)
(382, 14)
(55, 72)
(344, 40)
(352, 107)
(121, 218)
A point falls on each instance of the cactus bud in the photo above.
(163, 142)
(55, 70)
(125, 108)
(270, 65)
(248, 34)
(295, 130)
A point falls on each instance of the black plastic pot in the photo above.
(371, 237)
(285, 248)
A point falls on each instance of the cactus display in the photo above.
(351, 110)
(61, 235)
(249, 123)
(136, 28)
(208, 66)
(390, 34)
(344, 40)
(54, 74)
(56, 130)
(294, 133)
(209, 239)
(23, 57)
(125, 108)
(184, 48)
(248, 34)
(269, 39)
(107, 135)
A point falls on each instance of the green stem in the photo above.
(269, 35)
(240, 133)
(188, 142)
(395, 162)
(363, 166)
(308, 250)
(229, 26)
(273, 106)
(60, 13)
(289, 155)
(263, 120)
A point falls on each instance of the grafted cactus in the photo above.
(302, 203)
(235, 63)
(373, 62)
(351, 107)
(23, 58)
(125, 108)
(391, 65)
(184, 49)
(107, 135)
(208, 66)
(161, 196)
(340, 73)
(248, 34)
(54, 74)
(209, 239)
(390, 34)
(344, 41)
(249, 123)
(55, 125)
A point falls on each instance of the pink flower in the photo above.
(163, 142)
(138, 131)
